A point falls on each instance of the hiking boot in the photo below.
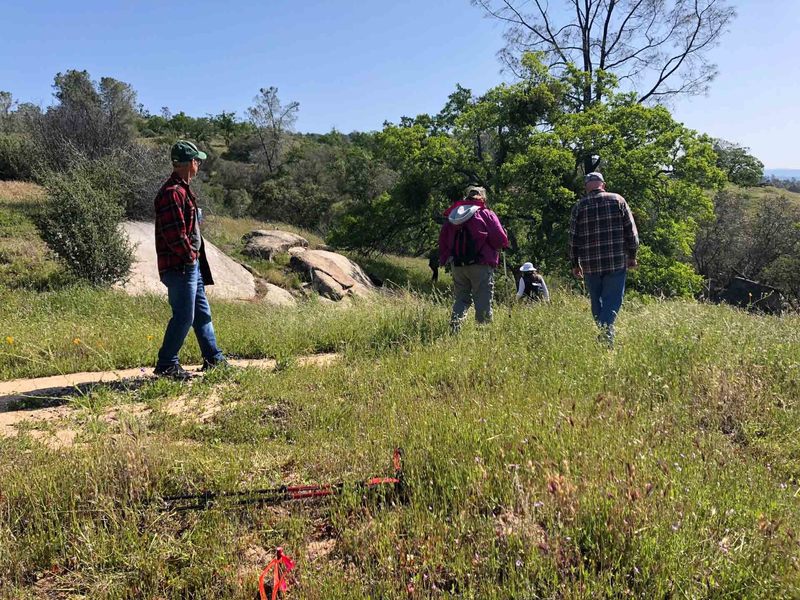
(176, 372)
(216, 364)
(606, 337)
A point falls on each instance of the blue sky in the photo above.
(352, 65)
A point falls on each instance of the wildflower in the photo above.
(724, 545)
(10, 340)
(149, 338)
(76, 341)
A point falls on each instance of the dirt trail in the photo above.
(51, 424)
(17, 389)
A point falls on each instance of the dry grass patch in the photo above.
(20, 191)
(25, 260)
(227, 231)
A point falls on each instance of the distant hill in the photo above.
(783, 173)
(768, 190)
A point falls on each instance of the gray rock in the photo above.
(266, 243)
(332, 275)
(277, 296)
(231, 280)
(754, 296)
(327, 287)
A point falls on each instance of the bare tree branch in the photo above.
(655, 47)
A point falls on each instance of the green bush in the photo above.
(304, 204)
(663, 276)
(16, 157)
(80, 221)
(141, 170)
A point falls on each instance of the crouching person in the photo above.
(470, 241)
(532, 286)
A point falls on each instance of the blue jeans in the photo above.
(190, 309)
(605, 292)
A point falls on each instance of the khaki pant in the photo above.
(472, 283)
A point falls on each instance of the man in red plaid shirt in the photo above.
(603, 242)
(182, 265)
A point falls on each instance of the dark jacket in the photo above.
(176, 215)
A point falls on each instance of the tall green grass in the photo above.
(539, 464)
(81, 328)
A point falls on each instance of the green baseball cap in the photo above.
(183, 152)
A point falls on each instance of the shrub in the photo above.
(80, 221)
(237, 202)
(304, 204)
(142, 169)
(16, 157)
(234, 175)
(663, 276)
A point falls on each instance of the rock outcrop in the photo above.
(231, 280)
(754, 296)
(266, 243)
(278, 296)
(332, 275)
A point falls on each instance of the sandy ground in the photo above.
(50, 424)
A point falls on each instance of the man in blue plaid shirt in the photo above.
(603, 242)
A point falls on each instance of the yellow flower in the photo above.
(149, 338)
(10, 340)
(76, 341)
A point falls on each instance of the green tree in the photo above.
(272, 121)
(6, 104)
(228, 126)
(656, 48)
(498, 140)
(525, 144)
(662, 168)
(741, 167)
(89, 118)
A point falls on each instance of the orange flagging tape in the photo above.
(280, 567)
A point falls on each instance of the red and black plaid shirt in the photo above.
(176, 211)
(602, 233)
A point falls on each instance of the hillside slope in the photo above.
(537, 463)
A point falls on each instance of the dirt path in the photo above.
(19, 389)
(51, 424)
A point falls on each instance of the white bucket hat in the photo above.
(462, 214)
(527, 267)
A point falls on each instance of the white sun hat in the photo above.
(527, 267)
(462, 214)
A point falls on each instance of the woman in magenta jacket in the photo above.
(470, 241)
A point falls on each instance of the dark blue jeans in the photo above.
(190, 309)
(605, 292)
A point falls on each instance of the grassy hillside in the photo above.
(539, 465)
(24, 258)
(767, 190)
